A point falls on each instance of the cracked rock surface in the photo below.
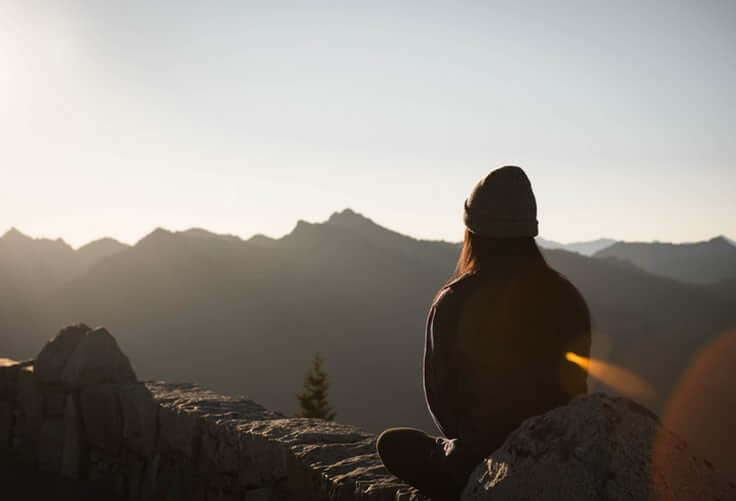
(78, 411)
(597, 447)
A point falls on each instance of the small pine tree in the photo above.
(313, 400)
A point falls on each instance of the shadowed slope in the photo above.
(700, 262)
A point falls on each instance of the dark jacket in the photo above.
(495, 352)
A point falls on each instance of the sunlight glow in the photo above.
(617, 378)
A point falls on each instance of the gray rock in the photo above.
(54, 355)
(262, 494)
(207, 403)
(30, 400)
(220, 450)
(329, 460)
(29, 418)
(72, 454)
(293, 431)
(176, 480)
(102, 417)
(136, 467)
(227, 455)
(139, 418)
(51, 445)
(262, 461)
(150, 477)
(6, 425)
(54, 401)
(87, 417)
(102, 466)
(597, 447)
(180, 430)
(208, 455)
(318, 459)
(9, 370)
(97, 359)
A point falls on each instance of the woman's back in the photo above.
(497, 339)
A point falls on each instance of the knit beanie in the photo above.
(502, 205)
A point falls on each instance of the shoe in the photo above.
(421, 461)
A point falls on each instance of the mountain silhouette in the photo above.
(30, 269)
(587, 248)
(97, 250)
(246, 316)
(700, 262)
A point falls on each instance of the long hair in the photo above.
(492, 255)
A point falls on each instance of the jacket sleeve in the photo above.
(437, 375)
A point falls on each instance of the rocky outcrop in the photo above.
(597, 447)
(79, 356)
(78, 411)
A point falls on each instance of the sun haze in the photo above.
(243, 117)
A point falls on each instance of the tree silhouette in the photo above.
(313, 400)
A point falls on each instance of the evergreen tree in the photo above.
(313, 400)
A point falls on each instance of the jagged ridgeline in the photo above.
(245, 316)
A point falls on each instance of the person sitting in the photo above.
(496, 338)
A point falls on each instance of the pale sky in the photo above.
(243, 117)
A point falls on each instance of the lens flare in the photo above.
(702, 409)
(617, 378)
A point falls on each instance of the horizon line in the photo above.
(346, 210)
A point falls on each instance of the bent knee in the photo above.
(397, 442)
(387, 441)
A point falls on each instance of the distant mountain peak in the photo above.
(156, 235)
(101, 248)
(104, 241)
(348, 218)
(161, 231)
(14, 234)
(721, 239)
(202, 233)
(586, 248)
(197, 232)
(301, 224)
(16, 238)
(703, 262)
(261, 239)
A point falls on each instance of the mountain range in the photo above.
(700, 262)
(587, 248)
(246, 316)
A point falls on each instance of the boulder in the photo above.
(54, 355)
(30, 416)
(9, 370)
(97, 359)
(136, 467)
(180, 431)
(79, 356)
(72, 453)
(30, 399)
(102, 417)
(6, 425)
(139, 418)
(54, 402)
(51, 445)
(597, 447)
